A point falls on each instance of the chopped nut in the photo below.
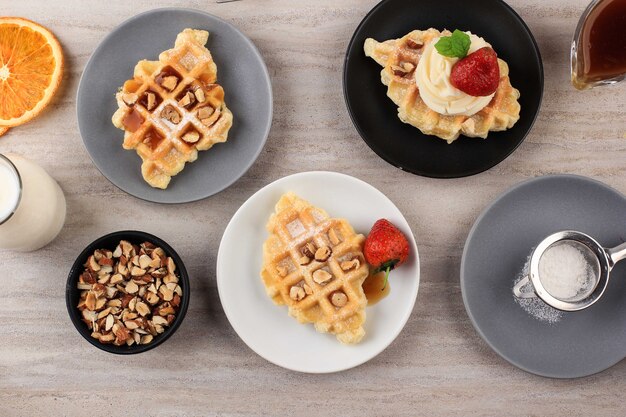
(170, 82)
(323, 253)
(116, 279)
(402, 69)
(191, 136)
(178, 290)
(104, 312)
(109, 322)
(155, 262)
(92, 264)
(106, 262)
(304, 260)
(144, 261)
(351, 264)
(107, 338)
(115, 303)
(130, 98)
(166, 293)
(127, 248)
(152, 298)
(307, 289)
(131, 324)
(282, 270)
(142, 309)
(87, 277)
(199, 93)
(339, 299)
(131, 287)
(171, 267)
(411, 43)
(170, 114)
(100, 302)
(159, 273)
(322, 277)
(137, 272)
(334, 239)
(158, 320)
(297, 293)
(165, 310)
(150, 101)
(90, 301)
(205, 112)
(187, 99)
(309, 250)
(116, 309)
(121, 335)
(170, 278)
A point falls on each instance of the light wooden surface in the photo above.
(438, 366)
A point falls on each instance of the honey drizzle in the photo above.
(373, 288)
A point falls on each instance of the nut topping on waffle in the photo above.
(172, 108)
(314, 264)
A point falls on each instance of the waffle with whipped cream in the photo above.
(400, 58)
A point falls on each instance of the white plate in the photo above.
(267, 328)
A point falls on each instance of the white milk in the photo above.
(9, 190)
(38, 211)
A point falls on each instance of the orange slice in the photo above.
(3, 130)
(31, 68)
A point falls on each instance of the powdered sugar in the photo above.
(565, 271)
(535, 306)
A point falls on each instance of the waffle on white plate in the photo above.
(314, 264)
(172, 108)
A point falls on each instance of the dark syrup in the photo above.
(603, 42)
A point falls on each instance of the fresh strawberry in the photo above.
(385, 247)
(478, 74)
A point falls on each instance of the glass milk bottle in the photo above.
(32, 205)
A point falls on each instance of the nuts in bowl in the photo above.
(127, 292)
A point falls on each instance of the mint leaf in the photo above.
(455, 46)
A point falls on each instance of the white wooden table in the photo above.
(438, 366)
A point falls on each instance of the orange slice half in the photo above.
(31, 68)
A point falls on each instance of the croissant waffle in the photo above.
(314, 264)
(172, 108)
(399, 59)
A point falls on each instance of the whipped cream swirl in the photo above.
(432, 77)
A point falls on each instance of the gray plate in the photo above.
(240, 70)
(582, 343)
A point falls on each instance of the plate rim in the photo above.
(365, 359)
(422, 173)
(131, 19)
(462, 279)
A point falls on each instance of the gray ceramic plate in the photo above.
(240, 70)
(581, 343)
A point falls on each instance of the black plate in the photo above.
(375, 115)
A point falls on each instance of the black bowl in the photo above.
(375, 116)
(110, 241)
